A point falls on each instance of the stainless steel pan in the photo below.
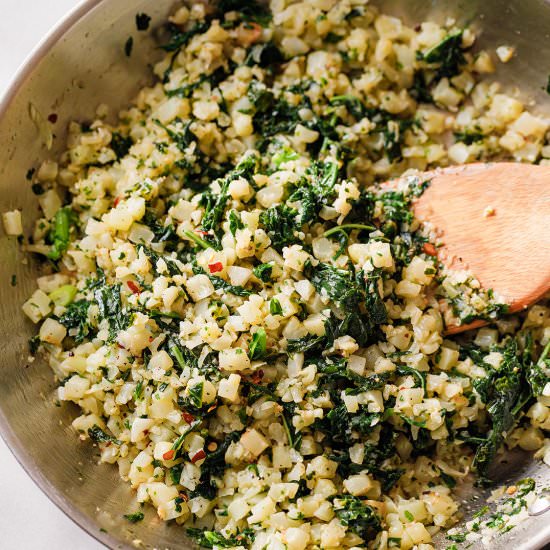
(81, 64)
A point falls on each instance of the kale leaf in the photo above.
(211, 539)
(280, 223)
(447, 55)
(503, 393)
(76, 316)
(359, 517)
(214, 466)
(99, 436)
(215, 204)
(179, 38)
(110, 308)
(120, 144)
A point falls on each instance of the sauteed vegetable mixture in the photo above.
(252, 328)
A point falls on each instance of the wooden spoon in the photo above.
(493, 220)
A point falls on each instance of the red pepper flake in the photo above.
(52, 118)
(216, 267)
(200, 232)
(133, 287)
(199, 455)
(184, 497)
(188, 417)
(169, 455)
(429, 249)
(116, 201)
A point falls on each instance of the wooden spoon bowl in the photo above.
(493, 220)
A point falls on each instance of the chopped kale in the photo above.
(179, 38)
(249, 10)
(359, 517)
(263, 272)
(280, 224)
(257, 346)
(134, 518)
(120, 144)
(275, 307)
(419, 89)
(129, 46)
(352, 103)
(211, 539)
(99, 436)
(76, 317)
(142, 21)
(214, 466)
(235, 222)
(110, 309)
(215, 204)
(469, 136)
(182, 355)
(181, 136)
(447, 56)
(220, 284)
(538, 374)
(501, 391)
(265, 55)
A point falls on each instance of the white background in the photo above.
(28, 520)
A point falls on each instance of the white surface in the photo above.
(28, 520)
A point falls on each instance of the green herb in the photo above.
(76, 317)
(184, 356)
(215, 204)
(181, 135)
(211, 539)
(13, 280)
(359, 517)
(120, 144)
(60, 234)
(275, 307)
(99, 436)
(201, 243)
(213, 466)
(447, 56)
(347, 226)
(294, 438)
(128, 46)
(110, 309)
(250, 10)
(263, 272)
(501, 391)
(142, 21)
(459, 537)
(235, 222)
(538, 374)
(180, 38)
(138, 391)
(280, 224)
(352, 104)
(419, 89)
(134, 518)
(257, 346)
(408, 515)
(469, 136)
(448, 480)
(195, 395)
(420, 377)
(286, 154)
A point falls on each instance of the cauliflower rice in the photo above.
(252, 328)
